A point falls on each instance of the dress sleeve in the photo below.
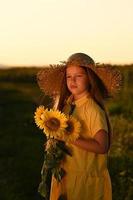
(98, 120)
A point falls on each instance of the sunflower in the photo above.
(72, 129)
(54, 123)
(39, 115)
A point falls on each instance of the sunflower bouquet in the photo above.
(59, 129)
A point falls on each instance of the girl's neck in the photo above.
(76, 97)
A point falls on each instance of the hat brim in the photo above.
(50, 79)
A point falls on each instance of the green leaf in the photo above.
(58, 173)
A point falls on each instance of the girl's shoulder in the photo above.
(91, 105)
(95, 116)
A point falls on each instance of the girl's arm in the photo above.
(98, 144)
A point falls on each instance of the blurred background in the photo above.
(21, 144)
(35, 33)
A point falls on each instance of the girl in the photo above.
(82, 94)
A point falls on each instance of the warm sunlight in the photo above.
(39, 32)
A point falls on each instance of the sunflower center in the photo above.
(53, 124)
(70, 127)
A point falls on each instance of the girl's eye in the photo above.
(68, 77)
(76, 76)
(79, 75)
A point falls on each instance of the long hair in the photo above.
(99, 93)
(97, 90)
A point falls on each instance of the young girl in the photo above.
(82, 94)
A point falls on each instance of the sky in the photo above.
(42, 32)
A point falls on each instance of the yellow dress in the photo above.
(87, 176)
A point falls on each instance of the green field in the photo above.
(21, 142)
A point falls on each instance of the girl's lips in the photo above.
(73, 86)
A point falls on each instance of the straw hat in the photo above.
(50, 79)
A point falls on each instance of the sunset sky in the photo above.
(41, 32)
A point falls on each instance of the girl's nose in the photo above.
(73, 79)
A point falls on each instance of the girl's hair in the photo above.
(97, 91)
(96, 87)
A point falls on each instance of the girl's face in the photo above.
(77, 81)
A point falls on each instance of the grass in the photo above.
(21, 144)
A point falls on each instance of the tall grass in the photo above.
(21, 143)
